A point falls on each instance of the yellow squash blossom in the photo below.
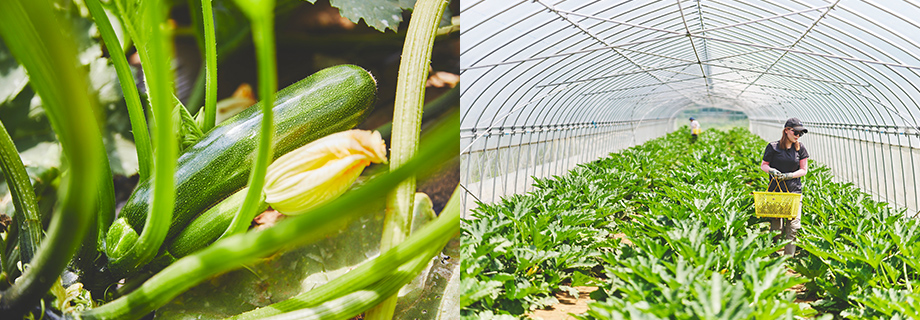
(321, 170)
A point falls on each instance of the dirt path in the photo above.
(623, 239)
(800, 292)
(567, 304)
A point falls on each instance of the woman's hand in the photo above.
(775, 173)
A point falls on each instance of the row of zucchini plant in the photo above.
(667, 230)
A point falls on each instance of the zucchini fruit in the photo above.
(208, 226)
(331, 100)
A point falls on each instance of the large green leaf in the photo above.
(379, 14)
(22, 113)
(13, 76)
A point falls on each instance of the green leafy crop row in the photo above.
(668, 230)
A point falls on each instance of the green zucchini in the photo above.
(331, 100)
(208, 226)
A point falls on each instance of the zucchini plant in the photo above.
(666, 230)
(201, 183)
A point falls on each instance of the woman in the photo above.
(694, 129)
(786, 161)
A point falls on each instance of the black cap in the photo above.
(796, 125)
(692, 118)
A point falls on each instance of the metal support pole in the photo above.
(914, 173)
(903, 176)
(538, 144)
(501, 165)
(885, 172)
(894, 192)
(516, 159)
(482, 160)
(469, 161)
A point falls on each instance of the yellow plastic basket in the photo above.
(777, 204)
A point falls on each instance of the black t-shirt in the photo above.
(785, 161)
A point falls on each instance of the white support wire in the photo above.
(598, 39)
(622, 23)
(618, 74)
(823, 55)
(571, 53)
(696, 52)
(516, 108)
(813, 24)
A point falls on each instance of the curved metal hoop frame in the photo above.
(548, 84)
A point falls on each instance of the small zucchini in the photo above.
(208, 226)
(331, 100)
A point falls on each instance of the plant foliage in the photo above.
(672, 227)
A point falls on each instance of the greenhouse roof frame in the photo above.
(533, 63)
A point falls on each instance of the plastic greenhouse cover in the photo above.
(827, 62)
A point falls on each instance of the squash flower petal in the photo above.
(321, 170)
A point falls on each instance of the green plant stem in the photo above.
(452, 28)
(27, 218)
(9, 263)
(106, 214)
(417, 249)
(127, 16)
(128, 88)
(39, 40)
(356, 301)
(410, 97)
(3, 257)
(195, 100)
(210, 53)
(156, 63)
(263, 37)
(432, 110)
(241, 249)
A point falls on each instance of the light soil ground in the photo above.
(623, 239)
(567, 304)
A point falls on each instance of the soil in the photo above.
(567, 304)
(623, 238)
(799, 289)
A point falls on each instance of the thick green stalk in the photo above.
(236, 251)
(106, 213)
(432, 109)
(452, 28)
(27, 218)
(128, 88)
(195, 99)
(9, 263)
(159, 82)
(420, 247)
(356, 301)
(127, 14)
(3, 257)
(263, 36)
(39, 40)
(210, 54)
(410, 97)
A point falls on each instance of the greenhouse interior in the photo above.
(581, 169)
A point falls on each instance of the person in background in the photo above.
(694, 129)
(786, 161)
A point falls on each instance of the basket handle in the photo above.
(777, 184)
